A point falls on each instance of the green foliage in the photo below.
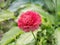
(46, 36)
(17, 4)
(10, 35)
(49, 4)
(13, 43)
(57, 36)
(5, 15)
(58, 5)
(26, 39)
(58, 11)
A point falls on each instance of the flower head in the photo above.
(29, 21)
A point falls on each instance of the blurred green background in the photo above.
(47, 34)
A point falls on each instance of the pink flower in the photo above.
(29, 21)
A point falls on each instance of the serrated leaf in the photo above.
(10, 35)
(5, 15)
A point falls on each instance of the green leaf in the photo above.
(17, 4)
(2, 3)
(26, 39)
(58, 5)
(13, 43)
(50, 19)
(10, 35)
(57, 8)
(48, 4)
(41, 2)
(22, 3)
(5, 15)
(57, 35)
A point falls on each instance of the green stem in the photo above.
(33, 35)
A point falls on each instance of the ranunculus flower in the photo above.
(29, 21)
